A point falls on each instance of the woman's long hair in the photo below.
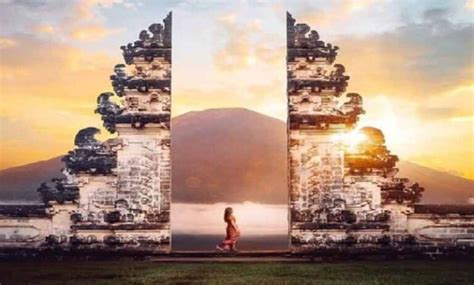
(228, 211)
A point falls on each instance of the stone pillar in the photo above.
(143, 162)
(142, 206)
(315, 122)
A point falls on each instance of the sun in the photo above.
(351, 140)
(250, 60)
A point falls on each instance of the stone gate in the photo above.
(344, 193)
(343, 189)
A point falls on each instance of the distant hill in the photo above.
(440, 187)
(231, 155)
(20, 183)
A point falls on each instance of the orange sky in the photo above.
(414, 67)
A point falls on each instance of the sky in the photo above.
(412, 61)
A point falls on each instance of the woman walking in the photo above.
(232, 232)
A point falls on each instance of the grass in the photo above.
(142, 272)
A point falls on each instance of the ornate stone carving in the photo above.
(371, 154)
(90, 155)
(315, 83)
(20, 211)
(59, 190)
(152, 44)
(398, 191)
(334, 187)
(147, 91)
(304, 42)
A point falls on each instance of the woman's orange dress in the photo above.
(232, 234)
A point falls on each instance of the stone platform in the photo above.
(230, 257)
(263, 256)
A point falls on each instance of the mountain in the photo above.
(440, 187)
(20, 183)
(228, 155)
(231, 155)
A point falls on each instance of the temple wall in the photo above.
(144, 179)
(98, 194)
(24, 231)
(441, 230)
(61, 221)
(399, 215)
(363, 197)
(144, 169)
(316, 173)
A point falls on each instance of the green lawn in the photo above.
(141, 272)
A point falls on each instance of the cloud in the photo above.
(7, 43)
(43, 28)
(417, 85)
(78, 20)
(246, 45)
(51, 88)
(91, 33)
(85, 9)
(456, 104)
(48, 60)
(416, 59)
(86, 23)
(336, 11)
(237, 52)
(470, 4)
(268, 98)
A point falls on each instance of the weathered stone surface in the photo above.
(147, 91)
(21, 211)
(116, 193)
(316, 160)
(59, 191)
(141, 192)
(344, 193)
(90, 155)
(26, 231)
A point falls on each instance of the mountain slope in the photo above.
(228, 155)
(20, 183)
(440, 187)
(231, 155)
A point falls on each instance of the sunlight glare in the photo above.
(351, 140)
(250, 60)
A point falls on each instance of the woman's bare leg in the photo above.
(225, 245)
(233, 246)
